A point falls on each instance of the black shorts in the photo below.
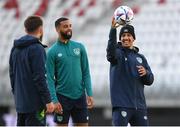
(31, 119)
(76, 108)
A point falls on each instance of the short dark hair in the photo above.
(32, 23)
(59, 20)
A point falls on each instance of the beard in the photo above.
(67, 35)
(41, 37)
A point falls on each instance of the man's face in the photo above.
(65, 29)
(127, 40)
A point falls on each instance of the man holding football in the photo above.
(129, 73)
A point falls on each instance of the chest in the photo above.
(131, 59)
(68, 54)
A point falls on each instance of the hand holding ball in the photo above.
(123, 15)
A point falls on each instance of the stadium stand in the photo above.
(159, 36)
(42, 8)
(157, 30)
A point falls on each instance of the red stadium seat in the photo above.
(161, 1)
(42, 8)
(11, 4)
(136, 9)
(116, 3)
(66, 12)
(81, 12)
(76, 3)
(92, 3)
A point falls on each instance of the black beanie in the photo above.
(127, 29)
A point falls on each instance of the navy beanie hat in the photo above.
(127, 29)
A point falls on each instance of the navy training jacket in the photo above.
(27, 75)
(126, 86)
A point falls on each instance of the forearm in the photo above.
(148, 79)
(50, 71)
(52, 90)
(40, 83)
(111, 47)
(87, 83)
(89, 89)
(51, 82)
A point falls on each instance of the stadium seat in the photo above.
(92, 3)
(13, 4)
(42, 8)
(81, 12)
(76, 3)
(117, 3)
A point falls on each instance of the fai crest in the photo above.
(59, 118)
(76, 51)
(139, 59)
(124, 113)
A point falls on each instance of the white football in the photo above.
(123, 15)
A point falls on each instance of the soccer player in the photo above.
(27, 76)
(69, 77)
(129, 73)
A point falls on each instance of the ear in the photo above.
(57, 29)
(40, 29)
(26, 30)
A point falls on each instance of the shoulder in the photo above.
(37, 47)
(77, 44)
(52, 48)
(141, 55)
(137, 51)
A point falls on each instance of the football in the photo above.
(123, 15)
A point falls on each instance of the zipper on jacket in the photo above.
(135, 92)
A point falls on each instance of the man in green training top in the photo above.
(69, 77)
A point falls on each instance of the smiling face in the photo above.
(127, 40)
(65, 30)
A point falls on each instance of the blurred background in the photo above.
(157, 27)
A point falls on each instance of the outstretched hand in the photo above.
(114, 23)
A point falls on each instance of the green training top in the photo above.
(68, 70)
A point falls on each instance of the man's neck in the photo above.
(34, 35)
(63, 40)
(131, 47)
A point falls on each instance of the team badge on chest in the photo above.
(76, 51)
(139, 59)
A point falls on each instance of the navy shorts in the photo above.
(76, 108)
(31, 119)
(123, 116)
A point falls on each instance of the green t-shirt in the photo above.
(68, 70)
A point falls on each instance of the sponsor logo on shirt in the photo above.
(59, 54)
